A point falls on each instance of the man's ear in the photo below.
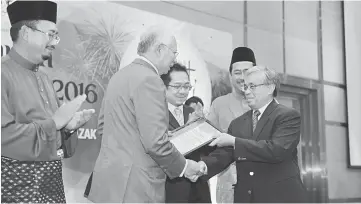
(272, 87)
(24, 33)
(158, 49)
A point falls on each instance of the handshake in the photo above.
(195, 169)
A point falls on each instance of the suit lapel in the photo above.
(247, 122)
(264, 119)
(173, 121)
(185, 114)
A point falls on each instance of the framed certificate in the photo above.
(193, 135)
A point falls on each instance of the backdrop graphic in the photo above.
(98, 39)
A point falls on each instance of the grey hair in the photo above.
(271, 77)
(154, 36)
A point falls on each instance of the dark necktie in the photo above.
(256, 113)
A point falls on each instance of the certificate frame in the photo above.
(188, 127)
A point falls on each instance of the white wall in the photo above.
(353, 75)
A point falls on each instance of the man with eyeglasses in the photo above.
(36, 132)
(182, 190)
(263, 142)
(136, 155)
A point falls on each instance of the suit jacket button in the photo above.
(251, 173)
(250, 192)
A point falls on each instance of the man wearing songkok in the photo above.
(36, 132)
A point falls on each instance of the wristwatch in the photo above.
(68, 133)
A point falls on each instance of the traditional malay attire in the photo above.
(31, 145)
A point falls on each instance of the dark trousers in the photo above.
(181, 190)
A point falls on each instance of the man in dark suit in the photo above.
(263, 142)
(182, 190)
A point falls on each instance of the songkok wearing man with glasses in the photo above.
(182, 190)
(35, 132)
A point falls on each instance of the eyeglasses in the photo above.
(251, 87)
(174, 52)
(179, 87)
(51, 36)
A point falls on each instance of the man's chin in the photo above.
(179, 103)
(250, 102)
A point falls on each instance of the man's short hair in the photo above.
(271, 77)
(194, 99)
(175, 68)
(154, 36)
(15, 28)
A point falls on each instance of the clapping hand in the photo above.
(64, 114)
(79, 119)
(195, 170)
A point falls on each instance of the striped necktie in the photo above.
(256, 113)
(178, 116)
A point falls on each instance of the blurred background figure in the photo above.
(196, 103)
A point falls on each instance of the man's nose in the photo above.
(183, 91)
(247, 91)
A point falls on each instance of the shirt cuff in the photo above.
(184, 169)
(49, 128)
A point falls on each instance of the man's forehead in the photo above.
(179, 76)
(47, 26)
(238, 66)
(254, 77)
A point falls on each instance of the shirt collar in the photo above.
(262, 109)
(22, 61)
(149, 62)
(171, 107)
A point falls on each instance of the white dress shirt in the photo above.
(171, 108)
(262, 109)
